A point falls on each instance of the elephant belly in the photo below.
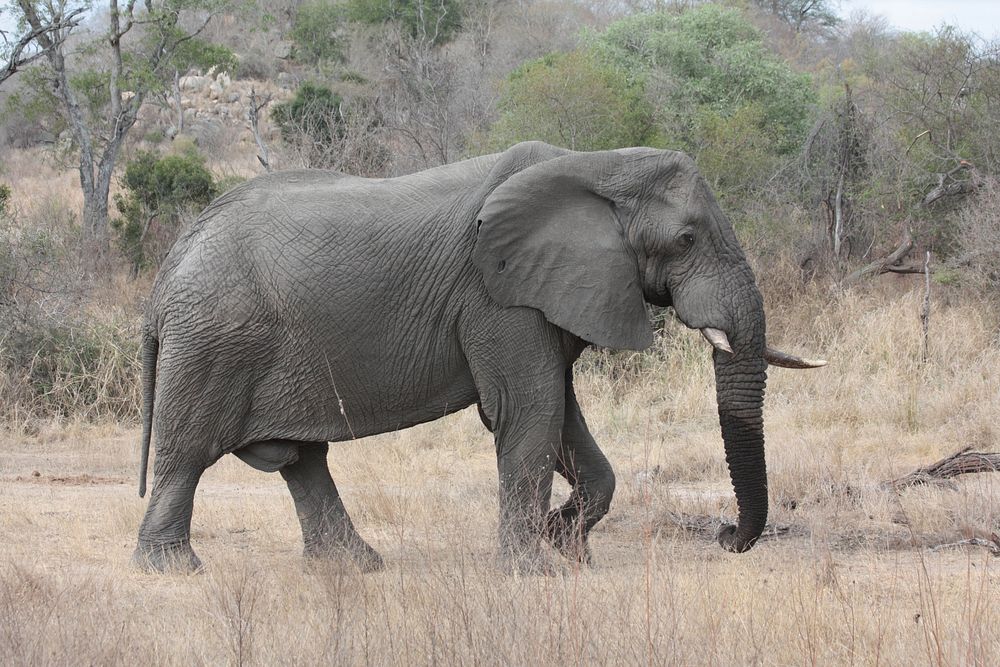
(270, 456)
(357, 395)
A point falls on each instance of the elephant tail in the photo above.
(150, 349)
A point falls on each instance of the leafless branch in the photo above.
(952, 187)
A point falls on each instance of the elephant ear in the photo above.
(548, 240)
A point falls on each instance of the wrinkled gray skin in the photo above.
(309, 307)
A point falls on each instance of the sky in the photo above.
(979, 16)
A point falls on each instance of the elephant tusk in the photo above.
(718, 339)
(785, 360)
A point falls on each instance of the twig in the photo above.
(925, 310)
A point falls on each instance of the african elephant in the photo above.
(310, 307)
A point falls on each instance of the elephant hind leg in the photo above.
(165, 534)
(588, 471)
(327, 530)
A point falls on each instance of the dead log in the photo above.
(888, 264)
(962, 462)
(954, 187)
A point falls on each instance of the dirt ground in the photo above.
(852, 580)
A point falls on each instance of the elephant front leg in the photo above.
(525, 491)
(327, 530)
(165, 534)
(588, 471)
(518, 364)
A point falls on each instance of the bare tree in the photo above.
(123, 73)
(253, 115)
(19, 51)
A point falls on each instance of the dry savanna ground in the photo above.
(853, 577)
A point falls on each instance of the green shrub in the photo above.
(313, 115)
(158, 192)
(574, 101)
(200, 54)
(712, 79)
(315, 32)
(328, 132)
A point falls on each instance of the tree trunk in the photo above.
(177, 102)
(95, 222)
(96, 191)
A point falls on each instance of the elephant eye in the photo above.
(687, 240)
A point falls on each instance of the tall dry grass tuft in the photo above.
(233, 600)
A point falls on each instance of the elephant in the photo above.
(308, 307)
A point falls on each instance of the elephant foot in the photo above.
(356, 551)
(567, 538)
(173, 558)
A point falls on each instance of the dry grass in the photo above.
(851, 582)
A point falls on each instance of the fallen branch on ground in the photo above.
(961, 462)
(993, 544)
(708, 526)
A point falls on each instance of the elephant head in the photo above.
(588, 237)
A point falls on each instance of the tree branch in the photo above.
(46, 35)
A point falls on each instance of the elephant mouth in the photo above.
(663, 298)
(718, 339)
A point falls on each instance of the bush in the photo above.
(572, 100)
(255, 66)
(313, 115)
(711, 77)
(70, 364)
(59, 355)
(328, 132)
(977, 256)
(315, 31)
(431, 21)
(159, 191)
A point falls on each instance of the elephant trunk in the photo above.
(740, 378)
